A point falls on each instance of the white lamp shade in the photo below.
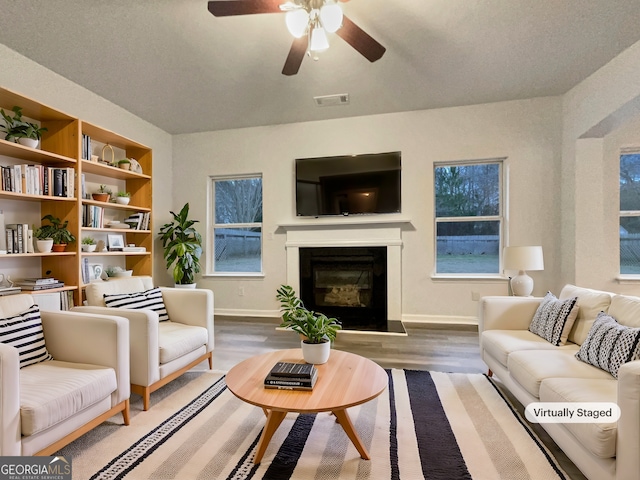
(331, 17)
(523, 258)
(319, 41)
(297, 21)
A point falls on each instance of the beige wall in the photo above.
(527, 133)
(28, 78)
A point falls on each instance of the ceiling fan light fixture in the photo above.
(319, 41)
(297, 22)
(331, 17)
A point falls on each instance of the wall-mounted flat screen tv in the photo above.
(348, 185)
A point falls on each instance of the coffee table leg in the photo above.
(274, 419)
(347, 426)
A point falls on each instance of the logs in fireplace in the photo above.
(349, 283)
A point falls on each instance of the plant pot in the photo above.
(89, 248)
(316, 353)
(100, 197)
(185, 285)
(28, 142)
(123, 200)
(126, 273)
(124, 166)
(59, 247)
(44, 246)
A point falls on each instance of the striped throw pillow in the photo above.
(24, 332)
(609, 345)
(148, 300)
(554, 318)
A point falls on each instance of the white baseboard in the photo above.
(441, 319)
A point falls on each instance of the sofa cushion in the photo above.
(626, 310)
(610, 344)
(530, 367)
(598, 438)
(24, 332)
(177, 339)
(147, 300)
(500, 343)
(95, 291)
(554, 318)
(51, 392)
(590, 303)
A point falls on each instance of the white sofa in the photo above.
(534, 370)
(46, 405)
(160, 350)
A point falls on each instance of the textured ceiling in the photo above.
(174, 64)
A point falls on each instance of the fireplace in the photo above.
(349, 283)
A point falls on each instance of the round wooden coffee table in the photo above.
(344, 381)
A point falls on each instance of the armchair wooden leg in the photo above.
(210, 360)
(125, 412)
(489, 373)
(145, 393)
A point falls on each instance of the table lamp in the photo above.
(522, 259)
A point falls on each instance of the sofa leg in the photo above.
(145, 393)
(210, 360)
(489, 373)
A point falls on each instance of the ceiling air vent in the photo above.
(331, 100)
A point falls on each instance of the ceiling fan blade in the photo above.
(360, 40)
(226, 8)
(296, 54)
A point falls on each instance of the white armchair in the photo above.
(160, 350)
(46, 405)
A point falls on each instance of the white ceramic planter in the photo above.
(89, 248)
(185, 285)
(316, 353)
(44, 246)
(28, 142)
(123, 200)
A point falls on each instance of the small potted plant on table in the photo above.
(17, 130)
(316, 330)
(57, 230)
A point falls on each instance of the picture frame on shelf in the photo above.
(95, 271)
(115, 242)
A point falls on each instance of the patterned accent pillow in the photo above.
(148, 300)
(24, 332)
(608, 344)
(554, 318)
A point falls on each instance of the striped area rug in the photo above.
(425, 425)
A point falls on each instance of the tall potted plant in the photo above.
(182, 247)
(17, 130)
(317, 331)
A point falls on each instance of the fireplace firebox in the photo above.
(349, 283)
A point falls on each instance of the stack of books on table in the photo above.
(291, 376)
(9, 290)
(34, 284)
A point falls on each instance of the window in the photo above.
(237, 225)
(469, 217)
(630, 212)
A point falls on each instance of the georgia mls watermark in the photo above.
(572, 412)
(35, 468)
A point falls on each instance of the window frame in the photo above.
(212, 226)
(625, 214)
(501, 218)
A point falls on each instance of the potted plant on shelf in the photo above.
(58, 231)
(88, 244)
(182, 248)
(123, 198)
(17, 130)
(102, 195)
(44, 242)
(124, 164)
(317, 331)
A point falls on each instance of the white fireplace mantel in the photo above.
(378, 233)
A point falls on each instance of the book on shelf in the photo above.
(9, 291)
(86, 275)
(32, 287)
(17, 238)
(39, 280)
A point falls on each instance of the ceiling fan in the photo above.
(308, 21)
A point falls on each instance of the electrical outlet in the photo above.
(475, 296)
(241, 291)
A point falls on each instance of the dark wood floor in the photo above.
(443, 348)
